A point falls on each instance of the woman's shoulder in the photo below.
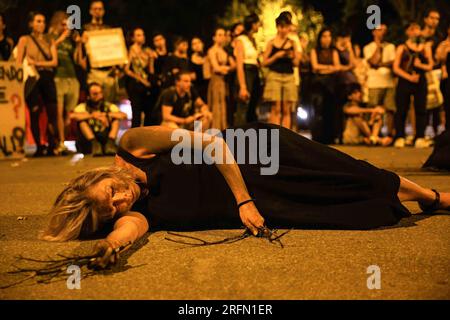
(23, 39)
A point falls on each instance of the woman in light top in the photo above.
(247, 65)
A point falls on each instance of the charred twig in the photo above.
(55, 268)
(204, 242)
(264, 232)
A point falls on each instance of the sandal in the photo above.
(429, 209)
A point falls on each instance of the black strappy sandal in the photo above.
(432, 208)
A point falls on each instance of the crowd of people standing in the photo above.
(354, 91)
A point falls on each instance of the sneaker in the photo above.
(62, 150)
(97, 150)
(40, 152)
(110, 148)
(374, 140)
(409, 141)
(422, 143)
(400, 143)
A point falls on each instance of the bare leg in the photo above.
(86, 131)
(207, 121)
(115, 125)
(275, 113)
(377, 127)
(362, 126)
(410, 191)
(61, 122)
(390, 123)
(286, 121)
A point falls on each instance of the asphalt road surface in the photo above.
(413, 257)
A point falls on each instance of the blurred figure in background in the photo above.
(98, 123)
(6, 43)
(380, 56)
(231, 78)
(160, 57)
(221, 65)
(181, 105)
(139, 71)
(432, 37)
(247, 68)
(106, 76)
(176, 62)
(363, 125)
(38, 51)
(197, 63)
(412, 59)
(443, 58)
(281, 56)
(346, 78)
(325, 66)
(68, 45)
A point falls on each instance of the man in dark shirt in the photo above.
(181, 105)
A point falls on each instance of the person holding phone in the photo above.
(281, 56)
(181, 105)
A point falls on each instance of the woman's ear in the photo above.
(118, 161)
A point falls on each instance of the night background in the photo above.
(199, 17)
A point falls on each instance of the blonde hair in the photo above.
(56, 21)
(75, 212)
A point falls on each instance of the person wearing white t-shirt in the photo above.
(380, 55)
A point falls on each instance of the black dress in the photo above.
(316, 187)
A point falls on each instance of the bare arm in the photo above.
(355, 110)
(430, 62)
(396, 66)
(168, 116)
(128, 228)
(442, 50)
(199, 103)
(232, 63)
(267, 59)
(153, 140)
(352, 62)
(79, 58)
(375, 60)
(297, 55)
(80, 116)
(117, 115)
(239, 54)
(323, 68)
(21, 47)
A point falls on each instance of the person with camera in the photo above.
(280, 56)
(98, 122)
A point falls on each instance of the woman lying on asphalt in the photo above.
(314, 186)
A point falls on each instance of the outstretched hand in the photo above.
(107, 255)
(251, 218)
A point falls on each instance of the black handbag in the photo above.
(32, 81)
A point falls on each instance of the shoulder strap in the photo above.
(48, 58)
(284, 43)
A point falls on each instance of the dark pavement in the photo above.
(414, 256)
